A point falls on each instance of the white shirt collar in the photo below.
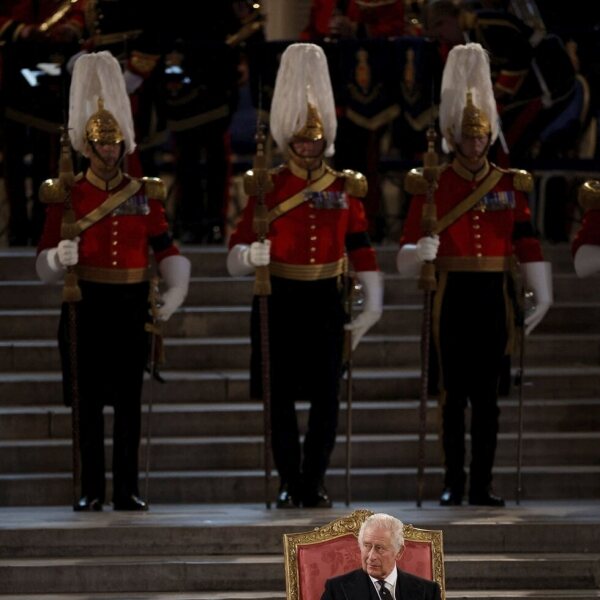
(390, 581)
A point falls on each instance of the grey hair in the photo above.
(384, 521)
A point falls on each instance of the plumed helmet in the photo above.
(102, 127)
(303, 103)
(99, 107)
(467, 106)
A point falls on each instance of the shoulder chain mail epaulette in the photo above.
(356, 183)
(155, 188)
(589, 195)
(522, 180)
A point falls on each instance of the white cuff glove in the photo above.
(587, 260)
(427, 248)
(132, 81)
(67, 252)
(537, 277)
(243, 259)
(175, 271)
(372, 282)
(51, 263)
(411, 256)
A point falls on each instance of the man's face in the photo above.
(473, 148)
(308, 148)
(446, 30)
(106, 157)
(377, 552)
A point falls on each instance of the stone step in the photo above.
(209, 572)
(246, 452)
(368, 484)
(193, 322)
(393, 416)
(230, 385)
(227, 291)
(374, 351)
(209, 529)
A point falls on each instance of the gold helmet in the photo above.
(312, 129)
(102, 127)
(475, 122)
(467, 105)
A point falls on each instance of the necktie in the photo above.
(383, 591)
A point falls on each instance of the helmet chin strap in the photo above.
(102, 159)
(310, 163)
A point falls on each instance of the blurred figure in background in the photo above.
(37, 39)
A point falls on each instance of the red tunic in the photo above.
(309, 234)
(500, 225)
(119, 240)
(589, 233)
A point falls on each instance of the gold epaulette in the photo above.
(155, 188)
(251, 181)
(51, 192)
(522, 180)
(589, 195)
(415, 183)
(356, 183)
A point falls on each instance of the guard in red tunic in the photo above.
(316, 223)
(118, 218)
(586, 245)
(483, 228)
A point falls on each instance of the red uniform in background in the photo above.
(361, 18)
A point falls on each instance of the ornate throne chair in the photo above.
(312, 557)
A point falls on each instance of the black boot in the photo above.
(86, 503)
(484, 498)
(287, 497)
(451, 497)
(131, 502)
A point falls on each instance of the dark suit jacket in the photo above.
(357, 585)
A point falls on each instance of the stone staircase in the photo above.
(207, 434)
(207, 448)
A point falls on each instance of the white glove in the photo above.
(132, 81)
(587, 260)
(537, 277)
(372, 282)
(67, 252)
(175, 270)
(427, 248)
(51, 263)
(243, 259)
(411, 256)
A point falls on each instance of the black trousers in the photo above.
(472, 341)
(306, 339)
(111, 357)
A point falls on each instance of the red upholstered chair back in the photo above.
(314, 556)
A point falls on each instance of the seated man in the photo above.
(381, 543)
